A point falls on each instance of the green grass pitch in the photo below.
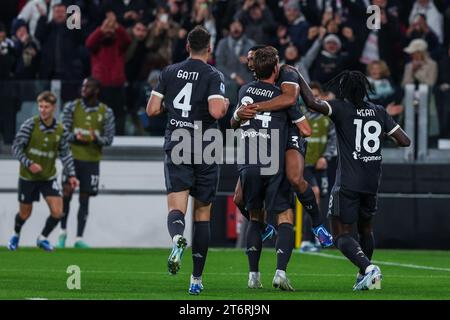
(30, 273)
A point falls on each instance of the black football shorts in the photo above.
(350, 206)
(200, 179)
(88, 173)
(295, 140)
(29, 191)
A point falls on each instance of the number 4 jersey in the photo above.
(186, 88)
(360, 131)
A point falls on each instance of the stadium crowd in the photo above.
(125, 43)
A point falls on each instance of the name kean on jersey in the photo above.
(186, 75)
(365, 112)
(260, 92)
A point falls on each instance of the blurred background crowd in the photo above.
(126, 43)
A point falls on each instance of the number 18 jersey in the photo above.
(360, 131)
(186, 88)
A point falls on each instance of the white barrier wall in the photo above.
(129, 220)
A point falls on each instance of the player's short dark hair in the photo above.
(95, 81)
(265, 60)
(257, 47)
(47, 96)
(351, 85)
(199, 39)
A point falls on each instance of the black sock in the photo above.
(18, 224)
(175, 223)
(367, 243)
(351, 249)
(254, 245)
(308, 200)
(83, 212)
(66, 210)
(50, 224)
(262, 226)
(244, 211)
(284, 245)
(200, 243)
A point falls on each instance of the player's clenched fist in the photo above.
(35, 168)
(247, 112)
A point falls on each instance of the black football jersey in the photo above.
(360, 131)
(258, 135)
(186, 88)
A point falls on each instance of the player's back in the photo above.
(360, 131)
(186, 88)
(264, 124)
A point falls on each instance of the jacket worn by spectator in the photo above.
(30, 12)
(108, 56)
(426, 74)
(60, 49)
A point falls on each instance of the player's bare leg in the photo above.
(177, 203)
(22, 216)
(55, 204)
(267, 230)
(200, 243)
(295, 164)
(284, 247)
(67, 198)
(254, 247)
(352, 250)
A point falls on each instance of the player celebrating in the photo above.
(37, 144)
(288, 80)
(90, 124)
(360, 127)
(193, 93)
(271, 191)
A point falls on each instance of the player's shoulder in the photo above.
(213, 71)
(29, 123)
(289, 72)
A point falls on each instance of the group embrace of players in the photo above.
(268, 105)
(268, 110)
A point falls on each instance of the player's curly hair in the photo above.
(351, 85)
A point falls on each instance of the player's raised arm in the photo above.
(308, 97)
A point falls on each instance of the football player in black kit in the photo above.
(269, 191)
(193, 94)
(288, 82)
(360, 126)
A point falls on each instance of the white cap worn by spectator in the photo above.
(333, 38)
(417, 45)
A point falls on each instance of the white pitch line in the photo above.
(387, 263)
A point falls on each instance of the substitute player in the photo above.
(259, 190)
(40, 140)
(91, 127)
(361, 127)
(288, 80)
(193, 93)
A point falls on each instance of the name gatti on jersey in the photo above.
(187, 75)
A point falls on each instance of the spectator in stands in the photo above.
(422, 69)
(433, 16)
(231, 59)
(257, 20)
(442, 94)
(135, 57)
(34, 9)
(333, 60)
(60, 47)
(315, 9)
(128, 12)
(162, 34)
(108, 45)
(27, 51)
(7, 55)
(383, 44)
(202, 15)
(297, 25)
(419, 29)
(385, 91)
(302, 63)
